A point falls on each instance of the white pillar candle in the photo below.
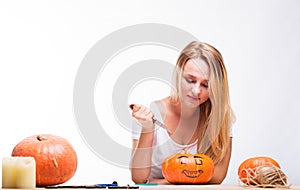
(18, 172)
(9, 172)
(25, 172)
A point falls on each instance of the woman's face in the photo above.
(194, 83)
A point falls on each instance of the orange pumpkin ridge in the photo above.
(56, 159)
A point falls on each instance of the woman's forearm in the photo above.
(159, 181)
(222, 167)
(141, 158)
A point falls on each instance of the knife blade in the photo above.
(155, 121)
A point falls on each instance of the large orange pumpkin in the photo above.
(56, 160)
(248, 167)
(188, 168)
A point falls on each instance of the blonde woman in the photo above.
(197, 113)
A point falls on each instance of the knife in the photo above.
(155, 121)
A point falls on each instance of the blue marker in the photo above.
(107, 184)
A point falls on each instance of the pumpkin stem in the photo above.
(41, 138)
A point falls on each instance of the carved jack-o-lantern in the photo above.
(188, 168)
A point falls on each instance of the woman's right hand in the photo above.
(144, 116)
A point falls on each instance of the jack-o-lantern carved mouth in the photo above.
(192, 174)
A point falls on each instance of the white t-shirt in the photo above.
(163, 145)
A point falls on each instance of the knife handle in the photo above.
(131, 106)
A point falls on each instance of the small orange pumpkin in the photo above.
(248, 167)
(56, 160)
(188, 168)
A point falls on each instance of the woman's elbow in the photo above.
(139, 176)
(138, 180)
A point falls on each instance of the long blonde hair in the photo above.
(216, 115)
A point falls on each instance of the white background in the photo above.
(42, 44)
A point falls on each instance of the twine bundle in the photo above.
(265, 176)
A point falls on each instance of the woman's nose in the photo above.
(196, 90)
